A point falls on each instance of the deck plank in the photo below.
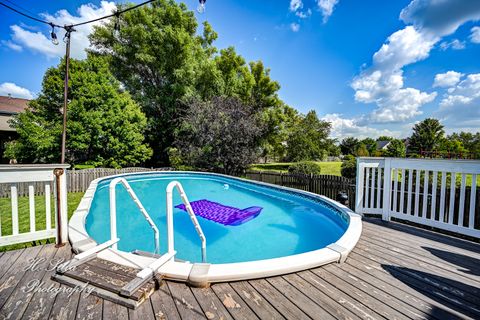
(185, 301)
(286, 308)
(262, 308)
(396, 272)
(31, 281)
(210, 304)
(163, 305)
(41, 303)
(89, 307)
(235, 305)
(303, 302)
(10, 280)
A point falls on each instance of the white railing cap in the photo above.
(7, 167)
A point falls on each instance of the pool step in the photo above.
(107, 279)
(153, 255)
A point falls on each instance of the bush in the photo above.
(349, 167)
(305, 167)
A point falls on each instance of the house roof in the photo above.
(9, 105)
(382, 144)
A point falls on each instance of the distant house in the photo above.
(382, 145)
(9, 107)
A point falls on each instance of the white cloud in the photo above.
(15, 91)
(454, 44)
(40, 42)
(383, 84)
(344, 127)
(326, 7)
(304, 14)
(460, 106)
(440, 17)
(12, 45)
(475, 35)
(295, 5)
(447, 79)
(295, 27)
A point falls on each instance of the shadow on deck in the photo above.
(395, 272)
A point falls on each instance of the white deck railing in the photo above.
(436, 193)
(49, 176)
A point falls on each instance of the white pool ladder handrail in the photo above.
(143, 211)
(193, 217)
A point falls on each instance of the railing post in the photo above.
(61, 207)
(359, 187)
(387, 187)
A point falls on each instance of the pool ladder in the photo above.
(148, 272)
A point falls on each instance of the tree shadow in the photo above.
(465, 263)
(455, 296)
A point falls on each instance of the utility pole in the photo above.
(69, 30)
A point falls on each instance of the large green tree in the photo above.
(427, 135)
(105, 126)
(309, 139)
(159, 57)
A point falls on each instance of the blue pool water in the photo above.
(288, 224)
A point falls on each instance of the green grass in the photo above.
(24, 216)
(331, 168)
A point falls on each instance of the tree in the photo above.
(279, 122)
(362, 151)
(349, 145)
(309, 139)
(370, 144)
(105, 126)
(349, 167)
(220, 135)
(158, 57)
(427, 135)
(396, 148)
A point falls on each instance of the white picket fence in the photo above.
(428, 192)
(11, 177)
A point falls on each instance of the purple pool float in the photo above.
(226, 215)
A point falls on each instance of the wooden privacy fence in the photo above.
(436, 193)
(77, 180)
(327, 185)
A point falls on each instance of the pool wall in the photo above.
(201, 274)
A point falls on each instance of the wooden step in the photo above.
(106, 279)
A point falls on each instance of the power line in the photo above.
(117, 13)
(69, 27)
(29, 16)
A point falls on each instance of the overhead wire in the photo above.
(69, 27)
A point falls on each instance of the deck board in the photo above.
(396, 272)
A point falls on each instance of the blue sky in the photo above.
(371, 67)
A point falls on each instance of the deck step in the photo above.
(106, 280)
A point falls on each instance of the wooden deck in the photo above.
(395, 272)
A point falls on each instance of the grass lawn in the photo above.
(24, 215)
(332, 168)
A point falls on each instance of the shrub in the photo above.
(349, 167)
(305, 167)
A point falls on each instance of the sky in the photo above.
(370, 67)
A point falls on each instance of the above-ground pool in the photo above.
(293, 230)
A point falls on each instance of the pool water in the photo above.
(288, 224)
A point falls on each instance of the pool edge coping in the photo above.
(211, 273)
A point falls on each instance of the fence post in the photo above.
(387, 187)
(61, 216)
(359, 187)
